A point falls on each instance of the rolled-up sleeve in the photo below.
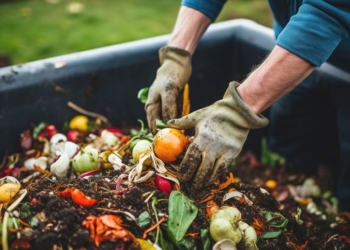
(317, 29)
(210, 8)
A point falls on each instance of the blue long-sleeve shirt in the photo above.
(315, 30)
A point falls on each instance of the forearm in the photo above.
(189, 28)
(274, 78)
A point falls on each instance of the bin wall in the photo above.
(106, 80)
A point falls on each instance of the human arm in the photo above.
(189, 27)
(302, 45)
(176, 68)
(274, 78)
(221, 128)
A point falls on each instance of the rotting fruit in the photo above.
(169, 144)
(80, 123)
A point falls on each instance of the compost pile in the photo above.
(84, 187)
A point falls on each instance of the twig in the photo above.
(153, 227)
(88, 113)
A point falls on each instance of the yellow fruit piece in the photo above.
(79, 122)
(8, 191)
(145, 245)
(186, 105)
(271, 184)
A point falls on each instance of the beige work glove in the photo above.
(164, 96)
(220, 132)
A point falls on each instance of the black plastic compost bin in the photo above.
(106, 80)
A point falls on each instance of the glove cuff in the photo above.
(249, 118)
(176, 54)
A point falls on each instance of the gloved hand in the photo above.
(163, 95)
(220, 132)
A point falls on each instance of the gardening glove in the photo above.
(220, 132)
(165, 93)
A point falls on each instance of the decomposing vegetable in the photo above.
(78, 197)
(226, 223)
(142, 147)
(169, 144)
(109, 138)
(61, 166)
(57, 143)
(309, 188)
(85, 160)
(163, 184)
(40, 162)
(108, 227)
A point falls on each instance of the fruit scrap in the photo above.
(108, 227)
(169, 144)
(8, 191)
(211, 208)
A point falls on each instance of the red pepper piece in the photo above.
(66, 193)
(79, 198)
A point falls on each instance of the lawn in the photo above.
(36, 29)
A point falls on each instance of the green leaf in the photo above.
(34, 222)
(274, 219)
(298, 215)
(163, 243)
(144, 218)
(187, 244)
(37, 129)
(270, 158)
(160, 124)
(205, 237)
(142, 95)
(271, 235)
(25, 210)
(181, 214)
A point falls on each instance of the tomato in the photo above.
(79, 198)
(80, 123)
(169, 144)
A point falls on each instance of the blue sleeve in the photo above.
(317, 29)
(210, 8)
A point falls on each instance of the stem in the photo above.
(154, 202)
(88, 113)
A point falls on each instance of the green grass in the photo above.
(35, 29)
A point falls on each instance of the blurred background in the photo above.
(36, 29)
